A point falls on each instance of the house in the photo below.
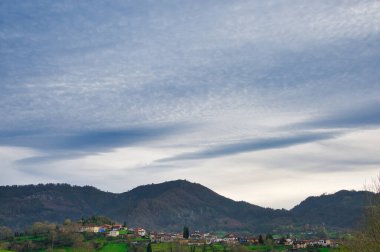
(94, 229)
(253, 240)
(165, 237)
(140, 231)
(89, 229)
(209, 238)
(288, 242)
(102, 230)
(299, 245)
(196, 236)
(107, 227)
(230, 239)
(243, 240)
(153, 237)
(114, 233)
(324, 243)
(117, 227)
(178, 236)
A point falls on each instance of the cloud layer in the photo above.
(120, 89)
(252, 146)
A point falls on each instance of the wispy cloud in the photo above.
(365, 116)
(92, 140)
(88, 78)
(252, 146)
(72, 145)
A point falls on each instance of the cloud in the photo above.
(72, 145)
(252, 146)
(79, 82)
(125, 62)
(356, 117)
(49, 158)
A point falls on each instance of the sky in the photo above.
(263, 101)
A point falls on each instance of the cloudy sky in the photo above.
(263, 101)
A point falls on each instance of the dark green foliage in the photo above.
(149, 247)
(24, 205)
(192, 248)
(52, 237)
(343, 209)
(269, 237)
(96, 220)
(204, 247)
(186, 232)
(261, 240)
(6, 233)
(168, 206)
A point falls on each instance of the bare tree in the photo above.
(368, 239)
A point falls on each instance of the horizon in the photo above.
(266, 102)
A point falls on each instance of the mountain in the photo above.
(23, 205)
(341, 209)
(170, 206)
(175, 204)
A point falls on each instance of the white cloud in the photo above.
(232, 70)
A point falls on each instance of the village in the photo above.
(197, 238)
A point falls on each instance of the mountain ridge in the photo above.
(171, 205)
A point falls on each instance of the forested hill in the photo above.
(170, 206)
(341, 209)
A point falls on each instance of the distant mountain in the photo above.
(341, 209)
(23, 205)
(170, 206)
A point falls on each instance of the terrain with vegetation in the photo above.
(171, 205)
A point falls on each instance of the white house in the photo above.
(114, 233)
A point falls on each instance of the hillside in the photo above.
(22, 205)
(174, 204)
(341, 209)
(170, 206)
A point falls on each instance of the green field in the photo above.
(265, 248)
(114, 247)
(167, 247)
(117, 246)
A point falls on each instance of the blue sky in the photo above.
(263, 101)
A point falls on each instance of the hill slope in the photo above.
(170, 206)
(177, 203)
(23, 205)
(341, 209)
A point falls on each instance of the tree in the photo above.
(67, 222)
(186, 232)
(261, 240)
(269, 240)
(368, 238)
(149, 247)
(269, 237)
(322, 233)
(5, 233)
(41, 228)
